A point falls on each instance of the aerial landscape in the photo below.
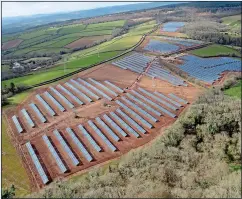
(121, 100)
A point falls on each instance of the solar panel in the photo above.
(107, 129)
(178, 98)
(114, 86)
(144, 105)
(157, 99)
(66, 101)
(114, 125)
(38, 113)
(54, 154)
(154, 104)
(169, 99)
(103, 137)
(67, 149)
(131, 121)
(103, 87)
(27, 117)
(90, 93)
(70, 94)
(90, 139)
(17, 124)
(79, 145)
(140, 110)
(79, 92)
(50, 97)
(37, 164)
(95, 89)
(135, 115)
(124, 125)
(47, 107)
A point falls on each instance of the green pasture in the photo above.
(118, 23)
(234, 91)
(213, 50)
(234, 20)
(58, 71)
(72, 29)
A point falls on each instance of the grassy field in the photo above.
(13, 173)
(58, 71)
(213, 50)
(233, 21)
(87, 57)
(234, 91)
(54, 39)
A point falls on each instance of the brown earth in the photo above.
(86, 41)
(89, 111)
(11, 44)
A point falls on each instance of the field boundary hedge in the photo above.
(93, 65)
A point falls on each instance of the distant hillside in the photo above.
(16, 24)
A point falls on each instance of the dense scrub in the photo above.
(193, 158)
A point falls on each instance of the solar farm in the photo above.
(66, 128)
(172, 26)
(208, 69)
(148, 66)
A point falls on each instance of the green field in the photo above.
(214, 50)
(59, 36)
(234, 91)
(58, 71)
(233, 21)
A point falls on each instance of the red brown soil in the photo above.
(86, 41)
(90, 111)
(11, 44)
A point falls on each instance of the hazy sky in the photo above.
(10, 9)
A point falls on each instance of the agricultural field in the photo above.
(214, 50)
(55, 39)
(234, 23)
(234, 91)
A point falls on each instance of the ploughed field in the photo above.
(96, 116)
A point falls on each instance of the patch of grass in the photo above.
(72, 28)
(118, 23)
(213, 50)
(234, 91)
(232, 20)
(5, 68)
(13, 171)
(58, 71)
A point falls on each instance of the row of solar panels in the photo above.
(138, 65)
(209, 69)
(161, 46)
(131, 120)
(76, 92)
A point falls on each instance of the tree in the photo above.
(12, 87)
(8, 193)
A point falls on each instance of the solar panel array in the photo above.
(37, 164)
(54, 154)
(161, 46)
(137, 114)
(37, 111)
(76, 99)
(67, 149)
(54, 101)
(102, 136)
(27, 117)
(114, 86)
(172, 26)
(17, 124)
(208, 69)
(79, 145)
(138, 63)
(62, 97)
(107, 129)
(90, 139)
(95, 89)
(46, 105)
